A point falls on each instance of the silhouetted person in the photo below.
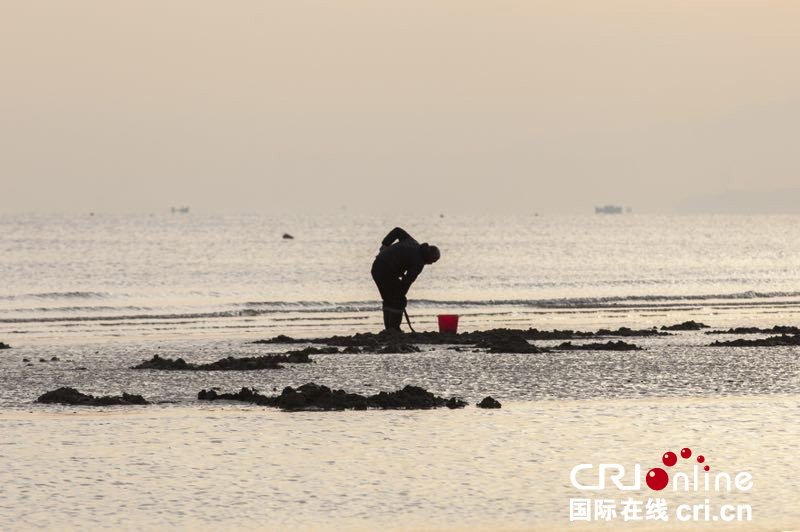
(394, 270)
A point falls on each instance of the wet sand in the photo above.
(681, 365)
(185, 464)
(232, 467)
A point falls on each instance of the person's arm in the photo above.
(395, 234)
(409, 278)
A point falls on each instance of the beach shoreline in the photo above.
(245, 468)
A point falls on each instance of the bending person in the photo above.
(396, 267)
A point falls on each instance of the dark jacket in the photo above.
(405, 258)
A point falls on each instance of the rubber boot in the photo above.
(392, 320)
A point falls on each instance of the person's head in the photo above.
(431, 253)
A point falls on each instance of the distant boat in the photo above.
(608, 209)
(181, 210)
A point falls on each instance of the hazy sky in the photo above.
(442, 104)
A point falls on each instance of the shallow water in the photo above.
(682, 365)
(210, 467)
(187, 464)
(106, 292)
(111, 276)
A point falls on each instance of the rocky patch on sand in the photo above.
(507, 344)
(772, 341)
(630, 333)
(536, 334)
(397, 347)
(489, 402)
(378, 340)
(71, 396)
(229, 363)
(690, 325)
(499, 340)
(317, 397)
(608, 346)
(281, 339)
(302, 354)
(627, 332)
(777, 329)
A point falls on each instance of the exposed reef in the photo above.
(281, 339)
(608, 346)
(772, 341)
(397, 347)
(301, 355)
(378, 340)
(489, 402)
(231, 363)
(71, 396)
(507, 344)
(777, 329)
(690, 325)
(317, 397)
(500, 340)
(627, 332)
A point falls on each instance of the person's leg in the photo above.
(391, 294)
(392, 319)
(393, 304)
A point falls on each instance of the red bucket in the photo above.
(448, 323)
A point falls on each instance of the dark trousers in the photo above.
(394, 300)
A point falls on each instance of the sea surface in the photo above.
(103, 276)
(100, 293)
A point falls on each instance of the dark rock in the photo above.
(375, 341)
(508, 344)
(630, 333)
(54, 359)
(226, 364)
(411, 397)
(777, 329)
(690, 325)
(71, 396)
(502, 340)
(420, 398)
(535, 334)
(302, 354)
(164, 364)
(247, 395)
(287, 236)
(489, 402)
(292, 400)
(42, 360)
(391, 349)
(499, 340)
(317, 397)
(282, 339)
(608, 346)
(25, 360)
(4, 346)
(772, 341)
(243, 364)
(454, 403)
(368, 340)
